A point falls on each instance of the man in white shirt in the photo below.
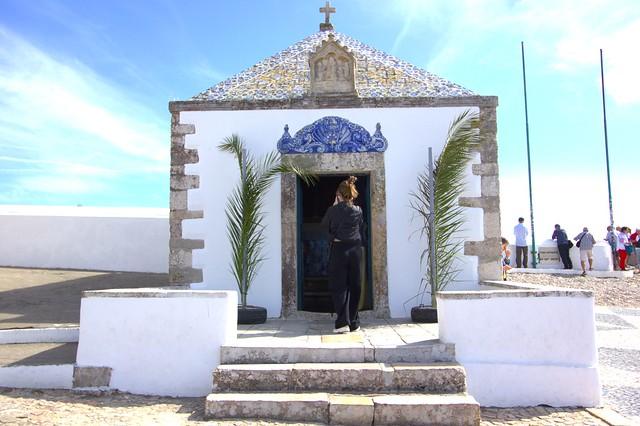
(522, 249)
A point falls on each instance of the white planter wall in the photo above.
(524, 347)
(157, 342)
(409, 131)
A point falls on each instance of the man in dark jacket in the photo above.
(561, 238)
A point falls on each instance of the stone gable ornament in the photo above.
(332, 69)
(332, 135)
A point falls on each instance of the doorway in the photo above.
(313, 242)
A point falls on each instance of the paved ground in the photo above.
(23, 407)
(35, 298)
(619, 292)
(50, 298)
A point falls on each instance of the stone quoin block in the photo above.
(181, 156)
(183, 129)
(187, 214)
(91, 377)
(485, 169)
(185, 275)
(490, 186)
(182, 182)
(175, 228)
(183, 243)
(180, 258)
(178, 200)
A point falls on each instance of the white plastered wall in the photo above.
(409, 131)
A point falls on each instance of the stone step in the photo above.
(343, 409)
(349, 377)
(434, 351)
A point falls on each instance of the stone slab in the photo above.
(91, 377)
(309, 407)
(441, 378)
(436, 352)
(288, 354)
(252, 377)
(352, 377)
(418, 410)
(350, 410)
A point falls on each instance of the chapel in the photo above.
(342, 108)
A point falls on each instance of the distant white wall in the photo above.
(157, 342)
(37, 376)
(409, 131)
(602, 260)
(524, 347)
(85, 238)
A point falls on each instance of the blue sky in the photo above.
(84, 87)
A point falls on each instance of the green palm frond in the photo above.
(449, 183)
(244, 208)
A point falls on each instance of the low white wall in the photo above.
(39, 335)
(524, 347)
(602, 260)
(157, 342)
(107, 239)
(37, 376)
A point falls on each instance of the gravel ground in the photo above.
(57, 407)
(620, 292)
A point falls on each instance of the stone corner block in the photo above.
(186, 214)
(485, 169)
(91, 377)
(187, 244)
(183, 129)
(185, 275)
(181, 156)
(183, 182)
(178, 200)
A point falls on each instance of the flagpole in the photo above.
(526, 118)
(606, 140)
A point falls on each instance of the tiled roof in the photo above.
(286, 75)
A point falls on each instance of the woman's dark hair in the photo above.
(504, 240)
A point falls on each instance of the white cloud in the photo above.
(565, 35)
(66, 130)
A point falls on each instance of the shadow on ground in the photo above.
(43, 297)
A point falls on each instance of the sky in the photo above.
(84, 88)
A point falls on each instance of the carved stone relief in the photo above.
(332, 69)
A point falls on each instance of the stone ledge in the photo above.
(185, 275)
(181, 156)
(186, 214)
(184, 243)
(311, 102)
(91, 377)
(183, 182)
(490, 204)
(485, 169)
(183, 129)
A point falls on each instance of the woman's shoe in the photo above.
(341, 330)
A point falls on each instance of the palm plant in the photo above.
(244, 209)
(448, 181)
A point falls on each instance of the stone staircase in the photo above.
(417, 384)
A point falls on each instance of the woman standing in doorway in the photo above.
(345, 224)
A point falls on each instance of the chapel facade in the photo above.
(341, 108)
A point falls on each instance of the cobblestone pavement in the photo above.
(619, 355)
(51, 407)
(621, 292)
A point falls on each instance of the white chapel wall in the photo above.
(409, 132)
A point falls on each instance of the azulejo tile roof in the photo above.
(286, 75)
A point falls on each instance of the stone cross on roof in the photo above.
(327, 10)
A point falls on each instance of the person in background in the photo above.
(612, 239)
(635, 238)
(522, 249)
(623, 242)
(506, 257)
(561, 238)
(585, 241)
